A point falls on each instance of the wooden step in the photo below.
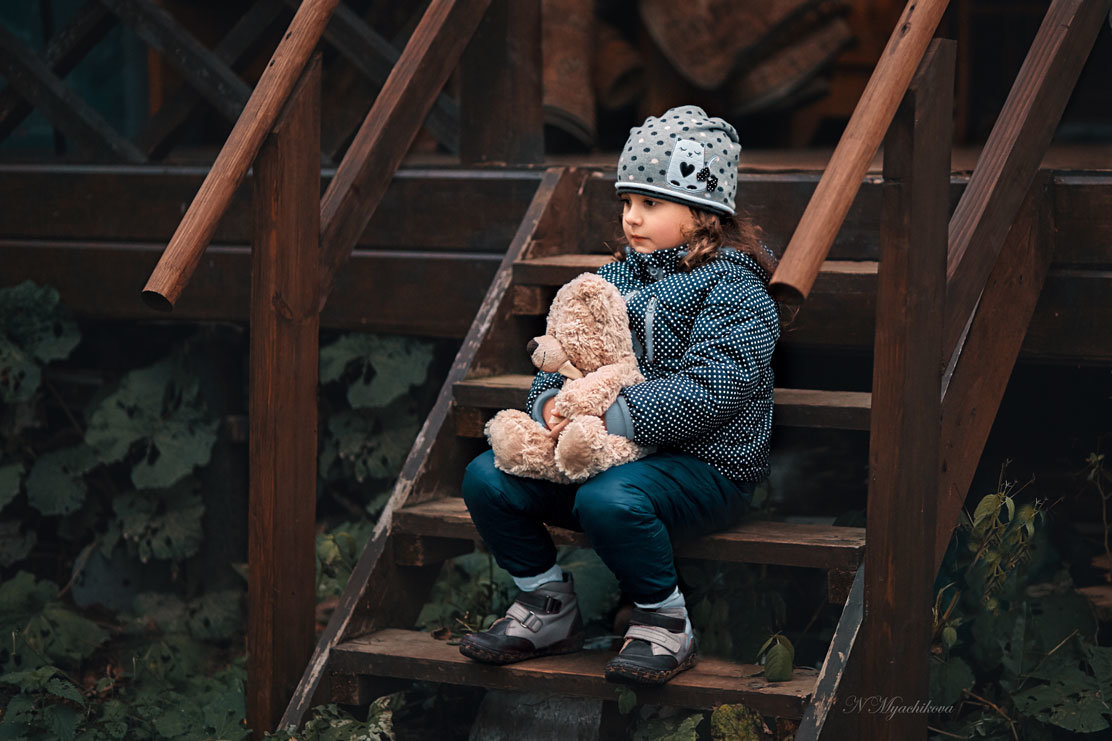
(408, 654)
(843, 410)
(756, 541)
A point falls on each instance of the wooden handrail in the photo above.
(195, 231)
(827, 209)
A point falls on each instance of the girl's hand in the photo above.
(553, 420)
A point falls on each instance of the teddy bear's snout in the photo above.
(531, 347)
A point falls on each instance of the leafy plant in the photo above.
(34, 330)
(1010, 654)
(330, 723)
(777, 654)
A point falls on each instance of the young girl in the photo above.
(704, 326)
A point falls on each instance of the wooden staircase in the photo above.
(426, 521)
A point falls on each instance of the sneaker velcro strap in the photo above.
(652, 617)
(670, 641)
(526, 617)
(547, 604)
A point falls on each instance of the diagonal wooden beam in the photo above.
(375, 595)
(374, 57)
(991, 345)
(214, 79)
(391, 125)
(31, 78)
(66, 48)
(1012, 154)
(176, 109)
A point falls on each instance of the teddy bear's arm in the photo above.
(594, 393)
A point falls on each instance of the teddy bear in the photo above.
(587, 340)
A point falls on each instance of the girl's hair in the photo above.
(712, 231)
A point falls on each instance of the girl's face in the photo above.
(651, 224)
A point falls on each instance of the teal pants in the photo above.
(631, 513)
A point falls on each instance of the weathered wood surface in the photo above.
(376, 581)
(197, 227)
(285, 259)
(867, 126)
(980, 376)
(33, 79)
(757, 541)
(1012, 154)
(479, 210)
(500, 87)
(63, 52)
(395, 118)
(241, 39)
(417, 655)
(386, 291)
(829, 687)
(481, 207)
(204, 70)
(845, 410)
(907, 386)
(374, 57)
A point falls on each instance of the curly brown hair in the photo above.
(712, 231)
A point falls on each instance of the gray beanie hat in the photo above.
(683, 156)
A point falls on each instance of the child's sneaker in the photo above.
(543, 622)
(657, 647)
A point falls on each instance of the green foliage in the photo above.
(380, 368)
(733, 606)
(157, 415)
(1013, 655)
(470, 594)
(214, 615)
(675, 728)
(56, 484)
(330, 723)
(34, 330)
(627, 699)
(366, 445)
(10, 477)
(163, 524)
(43, 631)
(735, 723)
(779, 656)
(337, 553)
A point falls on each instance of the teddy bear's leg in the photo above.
(522, 447)
(586, 448)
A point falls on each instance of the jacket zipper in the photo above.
(650, 313)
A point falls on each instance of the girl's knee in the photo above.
(480, 481)
(602, 503)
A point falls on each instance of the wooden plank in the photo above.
(66, 48)
(378, 291)
(500, 87)
(393, 121)
(206, 71)
(124, 203)
(1012, 154)
(29, 76)
(378, 589)
(756, 541)
(385, 291)
(416, 655)
(907, 383)
(976, 386)
(195, 231)
(374, 57)
(481, 207)
(845, 410)
(829, 685)
(175, 110)
(283, 390)
(858, 144)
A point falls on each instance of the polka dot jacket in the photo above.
(704, 342)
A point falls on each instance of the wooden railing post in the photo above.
(285, 300)
(904, 434)
(501, 120)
